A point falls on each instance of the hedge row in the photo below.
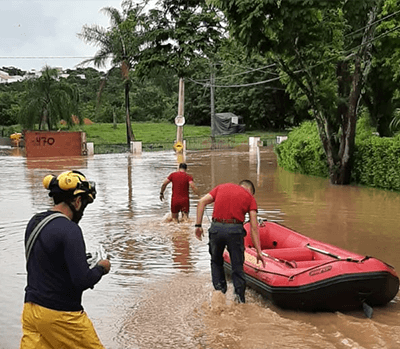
(302, 152)
(376, 160)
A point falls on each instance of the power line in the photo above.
(207, 84)
(241, 85)
(310, 67)
(250, 70)
(373, 23)
(315, 65)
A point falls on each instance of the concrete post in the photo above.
(136, 147)
(90, 148)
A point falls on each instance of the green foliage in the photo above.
(9, 108)
(364, 127)
(121, 43)
(381, 94)
(7, 131)
(151, 103)
(47, 100)
(178, 32)
(321, 56)
(376, 160)
(302, 152)
(395, 122)
(264, 106)
(184, 37)
(376, 163)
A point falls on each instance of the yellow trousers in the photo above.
(44, 328)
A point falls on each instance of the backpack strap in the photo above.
(35, 233)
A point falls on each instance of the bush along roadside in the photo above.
(377, 163)
(302, 152)
(376, 159)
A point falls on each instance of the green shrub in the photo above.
(364, 129)
(7, 131)
(302, 152)
(376, 160)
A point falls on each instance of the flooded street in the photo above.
(159, 292)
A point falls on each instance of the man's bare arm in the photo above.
(255, 236)
(163, 186)
(203, 202)
(194, 188)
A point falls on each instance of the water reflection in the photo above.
(57, 164)
(159, 293)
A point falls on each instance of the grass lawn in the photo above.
(148, 132)
(158, 132)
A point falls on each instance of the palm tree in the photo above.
(47, 101)
(119, 43)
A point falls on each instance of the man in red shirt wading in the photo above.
(231, 203)
(180, 192)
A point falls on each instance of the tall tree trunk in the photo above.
(129, 134)
(43, 119)
(340, 171)
(48, 122)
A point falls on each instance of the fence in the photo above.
(192, 143)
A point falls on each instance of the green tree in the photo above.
(120, 43)
(48, 100)
(152, 101)
(250, 87)
(9, 108)
(323, 52)
(382, 95)
(178, 33)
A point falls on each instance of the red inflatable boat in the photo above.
(306, 274)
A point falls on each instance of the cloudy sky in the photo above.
(34, 33)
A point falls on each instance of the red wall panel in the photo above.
(50, 144)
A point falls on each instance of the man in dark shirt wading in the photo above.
(58, 270)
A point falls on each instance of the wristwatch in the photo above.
(197, 225)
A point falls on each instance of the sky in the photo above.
(35, 33)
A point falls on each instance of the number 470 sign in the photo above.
(43, 140)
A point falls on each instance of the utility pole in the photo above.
(181, 101)
(212, 92)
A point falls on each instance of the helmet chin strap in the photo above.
(78, 214)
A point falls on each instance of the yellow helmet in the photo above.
(70, 182)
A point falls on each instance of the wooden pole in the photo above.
(212, 93)
(181, 102)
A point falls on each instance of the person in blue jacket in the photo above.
(58, 270)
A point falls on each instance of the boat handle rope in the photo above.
(338, 259)
(347, 259)
(291, 277)
(368, 257)
(288, 263)
(267, 272)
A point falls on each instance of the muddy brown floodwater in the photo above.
(159, 293)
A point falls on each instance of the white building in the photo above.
(5, 78)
